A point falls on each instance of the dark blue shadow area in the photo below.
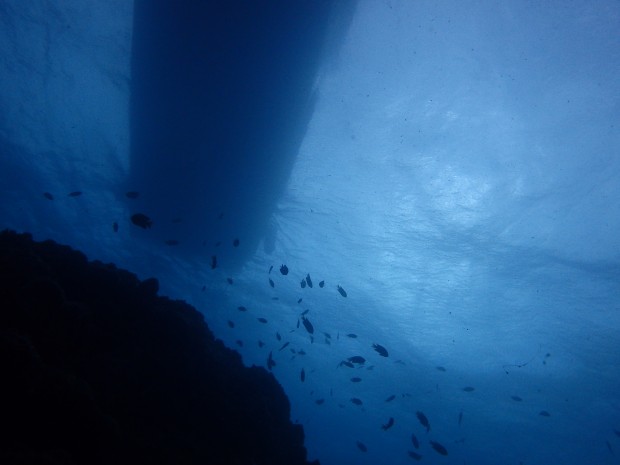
(221, 95)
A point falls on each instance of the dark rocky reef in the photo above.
(97, 369)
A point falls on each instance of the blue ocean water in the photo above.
(458, 177)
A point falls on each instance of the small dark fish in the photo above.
(352, 336)
(357, 359)
(469, 389)
(278, 337)
(361, 446)
(297, 322)
(439, 448)
(302, 375)
(271, 283)
(516, 398)
(380, 350)
(172, 242)
(544, 413)
(321, 283)
(204, 288)
(346, 364)
(355, 379)
(343, 293)
(460, 418)
(609, 447)
(261, 344)
(284, 269)
(319, 401)
(388, 425)
(307, 324)
(423, 420)
(356, 401)
(305, 312)
(414, 455)
(75, 193)
(617, 433)
(415, 441)
(262, 320)
(308, 280)
(141, 220)
(213, 262)
(391, 398)
(303, 283)
(239, 342)
(48, 196)
(229, 280)
(440, 368)
(115, 226)
(327, 335)
(299, 301)
(132, 194)
(241, 308)
(270, 268)
(270, 362)
(236, 243)
(284, 346)
(231, 324)
(301, 352)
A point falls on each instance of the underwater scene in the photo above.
(365, 231)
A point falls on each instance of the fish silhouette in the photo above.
(141, 220)
(439, 448)
(423, 420)
(343, 293)
(307, 324)
(388, 425)
(380, 350)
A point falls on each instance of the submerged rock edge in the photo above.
(99, 369)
